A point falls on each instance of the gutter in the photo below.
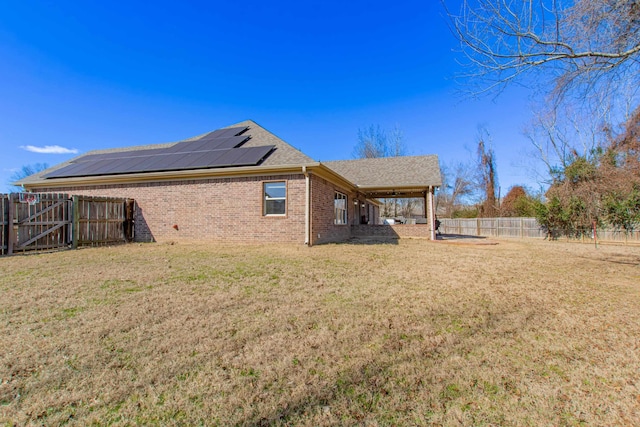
(142, 177)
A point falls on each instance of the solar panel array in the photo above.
(220, 148)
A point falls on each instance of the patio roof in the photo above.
(405, 176)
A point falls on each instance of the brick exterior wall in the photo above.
(323, 229)
(229, 209)
(419, 231)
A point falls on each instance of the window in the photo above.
(340, 208)
(275, 198)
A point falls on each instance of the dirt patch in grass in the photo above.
(414, 333)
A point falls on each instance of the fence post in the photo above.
(75, 222)
(11, 237)
(477, 226)
(4, 204)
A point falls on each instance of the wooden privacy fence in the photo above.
(520, 228)
(32, 222)
(493, 227)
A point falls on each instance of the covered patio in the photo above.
(404, 177)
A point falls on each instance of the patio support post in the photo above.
(432, 218)
(425, 203)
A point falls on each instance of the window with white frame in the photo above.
(340, 208)
(275, 198)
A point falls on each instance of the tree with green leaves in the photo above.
(603, 188)
(518, 203)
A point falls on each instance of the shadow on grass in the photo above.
(458, 237)
(372, 240)
(617, 259)
(359, 385)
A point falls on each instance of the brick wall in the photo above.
(323, 229)
(420, 231)
(228, 209)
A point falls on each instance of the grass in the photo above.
(419, 333)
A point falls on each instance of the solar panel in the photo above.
(215, 134)
(221, 138)
(255, 155)
(220, 148)
(117, 155)
(91, 168)
(154, 162)
(230, 157)
(207, 144)
(210, 158)
(188, 161)
(71, 169)
(233, 131)
(133, 164)
(168, 162)
(232, 141)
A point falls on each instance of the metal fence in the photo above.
(523, 228)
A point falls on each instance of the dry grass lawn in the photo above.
(523, 333)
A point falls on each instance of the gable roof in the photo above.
(259, 147)
(390, 172)
(284, 154)
(378, 177)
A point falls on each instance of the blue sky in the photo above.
(109, 74)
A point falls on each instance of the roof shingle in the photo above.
(387, 172)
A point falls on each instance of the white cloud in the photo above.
(49, 149)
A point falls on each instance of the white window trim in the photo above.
(265, 198)
(343, 212)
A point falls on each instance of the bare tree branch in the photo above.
(578, 42)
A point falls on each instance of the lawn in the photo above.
(523, 333)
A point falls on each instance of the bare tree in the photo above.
(591, 44)
(487, 175)
(458, 184)
(373, 142)
(396, 143)
(25, 171)
(560, 134)
(604, 187)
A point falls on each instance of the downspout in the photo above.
(307, 207)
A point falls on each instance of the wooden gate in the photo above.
(56, 221)
(102, 220)
(41, 221)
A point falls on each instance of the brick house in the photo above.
(242, 183)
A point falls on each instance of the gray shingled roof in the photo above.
(284, 154)
(388, 172)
